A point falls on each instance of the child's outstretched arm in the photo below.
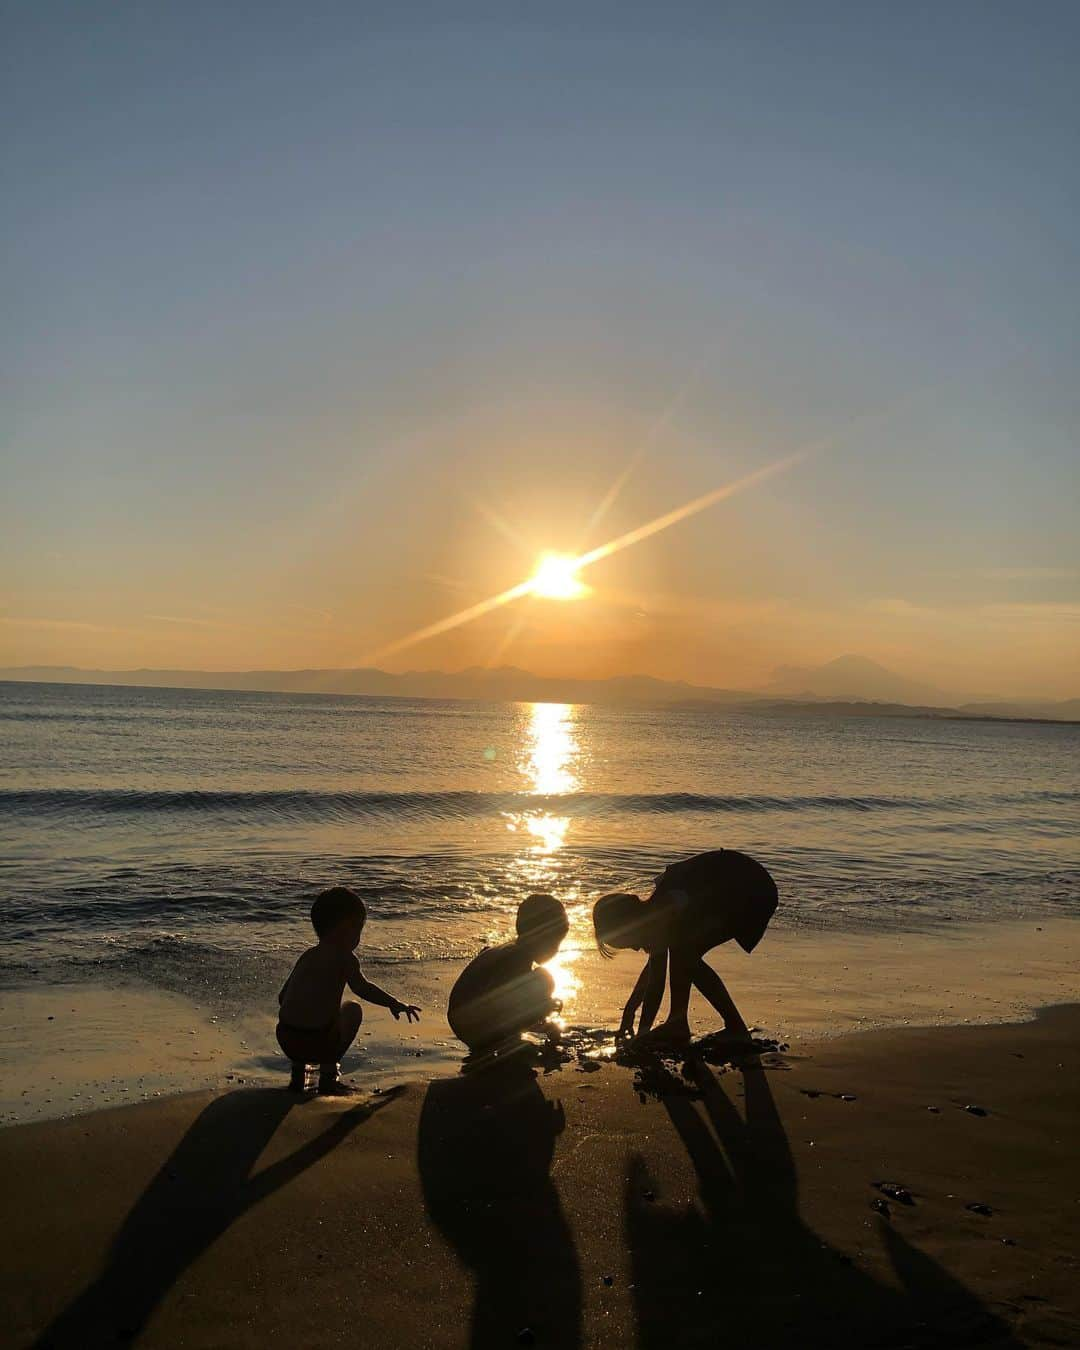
(371, 993)
(649, 991)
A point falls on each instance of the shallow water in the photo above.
(177, 834)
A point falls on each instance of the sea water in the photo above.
(177, 835)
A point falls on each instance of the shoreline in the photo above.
(74, 1047)
(602, 1208)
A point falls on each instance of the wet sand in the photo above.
(67, 1049)
(570, 1208)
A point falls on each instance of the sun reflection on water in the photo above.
(549, 765)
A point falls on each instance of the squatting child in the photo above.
(314, 1026)
(499, 994)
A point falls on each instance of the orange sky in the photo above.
(316, 333)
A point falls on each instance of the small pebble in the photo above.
(976, 1110)
(978, 1208)
(847, 1096)
(882, 1206)
(894, 1191)
(935, 1109)
(650, 1195)
(1008, 1242)
(609, 1280)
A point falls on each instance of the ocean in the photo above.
(177, 835)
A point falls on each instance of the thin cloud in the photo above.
(76, 625)
(1026, 573)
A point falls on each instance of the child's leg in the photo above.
(689, 969)
(680, 977)
(298, 1077)
(537, 993)
(712, 986)
(352, 1014)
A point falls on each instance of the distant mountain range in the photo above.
(846, 686)
(852, 677)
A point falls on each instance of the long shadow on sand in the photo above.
(203, 1187)
(486, 1145)
(745, 1270)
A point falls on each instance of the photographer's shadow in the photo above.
(486, 1145)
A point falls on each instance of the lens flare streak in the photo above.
(569, 567)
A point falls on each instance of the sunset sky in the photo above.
(322, 322)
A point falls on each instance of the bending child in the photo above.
(499, 994)
(314, 1027)
(697, 905)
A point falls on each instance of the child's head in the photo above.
(541, 925)
(619, 920)
(338, 915)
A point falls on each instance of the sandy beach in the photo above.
(79, 1046)
(595, 1206)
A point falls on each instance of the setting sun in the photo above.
(556, 578)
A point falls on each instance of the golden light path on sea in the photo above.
(550, 755)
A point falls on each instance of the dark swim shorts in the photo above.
(310, 1045)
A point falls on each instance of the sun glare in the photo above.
(556, 578)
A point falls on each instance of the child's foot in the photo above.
(667, 1033)
(334, 1087)
(298, 1079)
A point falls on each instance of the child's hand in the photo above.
(412, 1013)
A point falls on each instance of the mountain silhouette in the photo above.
(843, 686)
(853, 677)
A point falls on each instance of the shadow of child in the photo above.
(745, 1267)
(203, 1187)
(486, 1145)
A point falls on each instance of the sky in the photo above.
(321, 322)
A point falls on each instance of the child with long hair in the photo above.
(698, 904)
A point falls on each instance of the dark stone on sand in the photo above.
(810, 1092)
(847, 1096)
(894, 1191)
(881, 1206)
(588, 1066)
(935, 1109)
(976, 1110)
(977, 1208)
(1008, 1242)
(650, 1195)
(609, 1280)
